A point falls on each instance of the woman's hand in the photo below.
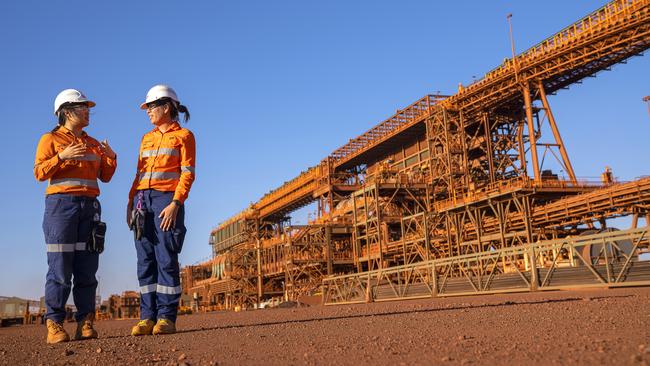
(168, 216)
(73, 151)
(107, 150)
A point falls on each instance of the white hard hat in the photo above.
(71, 96)
(158, 92)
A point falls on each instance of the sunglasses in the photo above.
(78, 107)
(155, 104)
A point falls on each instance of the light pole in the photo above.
(512, 46)
(647, 100)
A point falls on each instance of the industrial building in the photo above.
(452, 195)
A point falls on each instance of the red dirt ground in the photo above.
(603, 327)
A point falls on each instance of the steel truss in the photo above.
(543, 265)
(449, 196)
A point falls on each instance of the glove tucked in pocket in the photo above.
(95, 243)
(137, 223)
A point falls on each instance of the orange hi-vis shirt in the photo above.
(166, 162)
(75, 176)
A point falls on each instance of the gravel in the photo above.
(584, 327)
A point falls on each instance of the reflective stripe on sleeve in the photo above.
(159, 175)
(168, 290)
(187, 169)
(74, 182)
(148, 288)
(162, 151)
(80, 246)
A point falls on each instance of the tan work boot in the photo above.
(164, 326)
(144, 327)
(56, 333)
(85, 328)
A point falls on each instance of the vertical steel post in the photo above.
(288, 263)
(403, 238)
(522, 150)
(488, 143)
(534, 280)
(450, 174)
(461, 135)
(258, 242)
(328, 246)
(356, 248)
(379, 218)
(531, 130)
(427, 242)
(512, 48)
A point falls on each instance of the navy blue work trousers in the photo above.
(158, 269)
(67, 224)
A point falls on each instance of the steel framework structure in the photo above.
(451, 195)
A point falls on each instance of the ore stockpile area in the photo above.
(472, 193)
(582, 327)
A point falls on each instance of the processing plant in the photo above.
(452, 195)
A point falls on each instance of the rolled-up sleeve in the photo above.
(107, 168)
(47, 161)
(188, 166)
(136, 179)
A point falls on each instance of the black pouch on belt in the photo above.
(137, 223)
(95, 243)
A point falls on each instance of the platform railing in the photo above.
(608, 259)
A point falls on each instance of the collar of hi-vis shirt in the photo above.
(91, 144)
(174, 127)
(66, 131)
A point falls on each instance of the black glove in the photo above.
(95, 243)
(137, 223)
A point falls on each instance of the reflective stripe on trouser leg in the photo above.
(68, 219)
(169, 244)
(147, 271)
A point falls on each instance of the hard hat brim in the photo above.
(89, 103)
(144, 105)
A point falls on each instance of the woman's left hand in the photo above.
(107, 150)
(168, 216)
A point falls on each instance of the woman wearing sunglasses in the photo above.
(72, 161)
(156, 210)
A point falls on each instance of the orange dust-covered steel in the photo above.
(451, 195)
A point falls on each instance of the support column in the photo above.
(534, 276)
(531, 131)
(258, 250)
(556, 134)
(328, 243)
(522, 150)
(488, 144)
(379, 233)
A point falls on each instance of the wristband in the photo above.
(177, 203)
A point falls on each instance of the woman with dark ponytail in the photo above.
(156, 209)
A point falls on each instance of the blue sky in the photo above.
(273, 87)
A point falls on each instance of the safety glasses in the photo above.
(77, 107)
(155, 104)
